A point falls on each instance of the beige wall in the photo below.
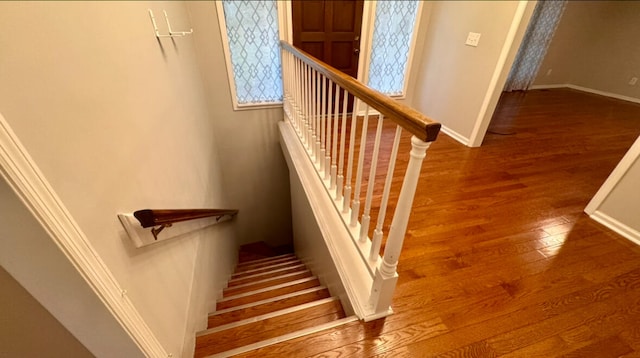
(119, 121)
(254, 172)
(452, 78)
(595, 46)
(28, 330)
(623, 201)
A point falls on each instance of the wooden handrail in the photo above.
(153, 218)
(408, 118)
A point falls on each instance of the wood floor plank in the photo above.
(498, 248)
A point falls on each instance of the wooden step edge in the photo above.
(266, 280)
(267, 316)
(266, 273)
(265, 259)
(285, 337)
(250, 267)
(280, 264)
(268, 300)
(267, 289)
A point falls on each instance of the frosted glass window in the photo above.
(252, 33)
(392, 35)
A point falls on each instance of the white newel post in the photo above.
(386, 277)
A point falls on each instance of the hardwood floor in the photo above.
(499, 259)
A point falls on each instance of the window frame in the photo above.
(229, 65)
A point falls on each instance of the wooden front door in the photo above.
(329, 31)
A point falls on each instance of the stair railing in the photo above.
(321, 104)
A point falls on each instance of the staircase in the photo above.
(267, 300)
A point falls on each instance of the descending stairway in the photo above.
(268, 300)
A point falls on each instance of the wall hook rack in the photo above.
(171, 32)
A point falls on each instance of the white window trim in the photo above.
(227, 57)
(364, 62)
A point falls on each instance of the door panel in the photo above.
(333, 26)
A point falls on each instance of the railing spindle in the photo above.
(340, 180)
(366, 215)
(327, 155)
(334, 148)
(352, 139)
(376, 242)
(355, 204)
(323, 120)
(315, 109)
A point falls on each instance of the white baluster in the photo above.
(315, 111)
(307, 104)
(327, 152)
(298, 100)
(340, 180)
(385, 278)
(352, 139)
(334, 148)
(355, 204)
(317, 118)
(376, 242)
(366, 215)
(322, 120)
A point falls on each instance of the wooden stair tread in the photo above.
(250, 350)
(251, 266)
(264, 275)
(265, 259)
(287, 301)
(323, 340)
(268, 282)
(278, 325)
(265, 269)
(244, 299)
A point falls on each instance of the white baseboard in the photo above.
(589, 90)
(615, 225)
(535, 87)
(455, 135)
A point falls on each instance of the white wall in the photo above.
(119, 121)
(29, 255)
(452, 78)
(595, 47)
(254, 171)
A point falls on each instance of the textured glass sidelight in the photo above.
(252, 31)
(392, 34)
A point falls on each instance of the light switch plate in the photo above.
(472, 39)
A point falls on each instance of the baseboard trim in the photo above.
(455, 135)
(615, 225)
(27, 181)
(589, 90)
(537, 87)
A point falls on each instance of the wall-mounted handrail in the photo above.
(158, 220)
(155, 217)
(408, 118)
